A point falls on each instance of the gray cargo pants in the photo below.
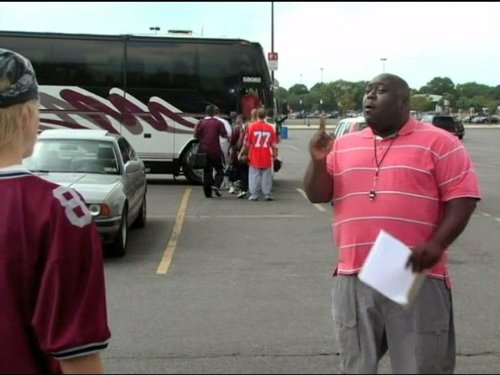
(420, 340)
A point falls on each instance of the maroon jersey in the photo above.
(52, 292)
(208, 131)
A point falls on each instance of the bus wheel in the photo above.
(194, 176)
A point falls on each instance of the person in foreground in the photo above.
(53, 316)
(417, 183)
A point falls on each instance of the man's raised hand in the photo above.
(322, 123)
(321, 143)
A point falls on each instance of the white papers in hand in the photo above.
(385, 270)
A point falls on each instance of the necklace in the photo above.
(372, 194)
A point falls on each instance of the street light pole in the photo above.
(155, 29)
(272, 43)
(321, 76)
(383, 59)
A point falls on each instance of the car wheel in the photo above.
(194, 176)
(140, 222)
(119, 245)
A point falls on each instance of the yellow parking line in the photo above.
(172, 243)
(318, 206)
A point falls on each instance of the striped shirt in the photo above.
(419, 170)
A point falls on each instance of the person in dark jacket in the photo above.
(208, 131)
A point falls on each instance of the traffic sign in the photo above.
(272, 59)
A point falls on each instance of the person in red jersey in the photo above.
(416, 182)
(260, 149)
(250, 101)
(53, 315)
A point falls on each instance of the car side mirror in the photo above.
(132, 166)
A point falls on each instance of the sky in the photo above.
(315, 42)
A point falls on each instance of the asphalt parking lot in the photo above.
(247, 287)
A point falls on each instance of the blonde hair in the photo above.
(10, 117)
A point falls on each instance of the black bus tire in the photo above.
(194, 176)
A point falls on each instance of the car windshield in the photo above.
(348, 126)
(72, 155)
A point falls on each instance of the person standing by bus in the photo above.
(224, 144)
(260, 150)
(250, 101)
(53, 316)
(208, 131)
(235, 146)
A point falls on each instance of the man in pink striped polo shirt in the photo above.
(416, 182)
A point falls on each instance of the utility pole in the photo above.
(383, 59)
(272, 43)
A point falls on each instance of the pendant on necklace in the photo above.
(372, 194)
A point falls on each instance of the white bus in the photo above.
(152, 90)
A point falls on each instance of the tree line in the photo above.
(343, 96)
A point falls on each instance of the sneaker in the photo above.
(216, 191)
(253, 198)
(269, 198)
(242, 194)
(232, 190)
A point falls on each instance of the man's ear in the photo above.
(25, 116)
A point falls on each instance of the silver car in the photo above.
(104, 169)
(348, 125)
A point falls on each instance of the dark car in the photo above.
(446, 122)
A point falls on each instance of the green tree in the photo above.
(298, 89)
(438, 86)
(283, 93)
(421, 103)
(472, 89)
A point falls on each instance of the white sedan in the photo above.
(104, 169)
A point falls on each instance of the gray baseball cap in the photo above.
(21, 78)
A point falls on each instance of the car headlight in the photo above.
(97, 209)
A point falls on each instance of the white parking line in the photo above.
(291, 147)
(172, 243)
(318, 206)
(485, 214)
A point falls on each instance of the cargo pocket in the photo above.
(433, 313)
(344, 315)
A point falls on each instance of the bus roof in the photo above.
(191, 39)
